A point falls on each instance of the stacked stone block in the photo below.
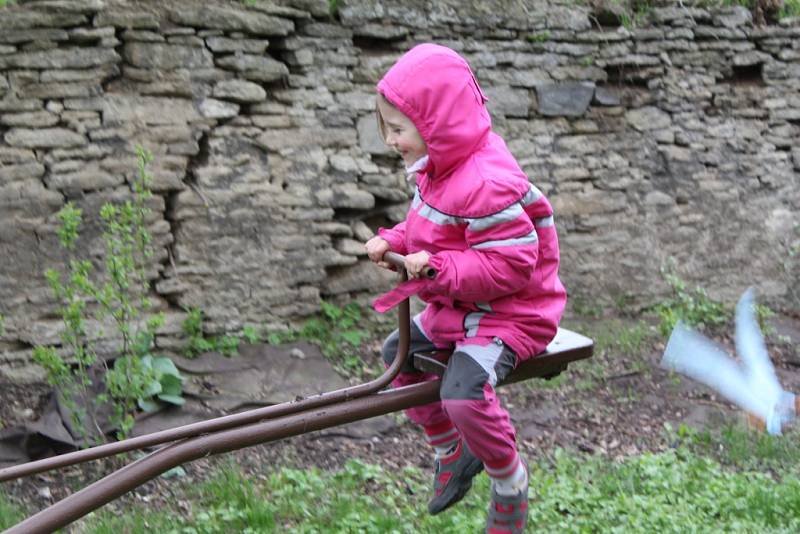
(673, 139)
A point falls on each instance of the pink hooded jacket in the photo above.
(490, 232)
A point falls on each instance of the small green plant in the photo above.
(540, 37)
(791, 8)
(333, 7)
(228, 345)
(10, 513)
(692, 306)
(122, 295)
(590, 309)
(193, 328)
(250, 334)
(165, 384)
(336, 332)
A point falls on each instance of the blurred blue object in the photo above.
(751, 385)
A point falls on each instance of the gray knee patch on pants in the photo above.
(472, 366)
(463, 379)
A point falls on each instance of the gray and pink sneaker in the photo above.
(508, 513)
(452, 478)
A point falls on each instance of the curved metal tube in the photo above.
(235, 420)
(131, 476)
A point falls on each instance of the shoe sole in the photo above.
(455, 491)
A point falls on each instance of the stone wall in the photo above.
(672, 140)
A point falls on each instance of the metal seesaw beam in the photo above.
(288, 419)
(233, 420)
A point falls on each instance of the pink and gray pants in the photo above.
(469, 407)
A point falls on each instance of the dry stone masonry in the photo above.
(675, 139)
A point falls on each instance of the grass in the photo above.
(10, 513)
(675, 491)
(791, 8)
(729, 480)
(737, 447)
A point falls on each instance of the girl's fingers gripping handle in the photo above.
(398, 260)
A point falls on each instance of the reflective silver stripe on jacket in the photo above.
(524, 240)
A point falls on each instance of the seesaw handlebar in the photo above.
(239, 419)
(399, 261)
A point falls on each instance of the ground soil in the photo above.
(616, 405)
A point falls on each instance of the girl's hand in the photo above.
(376, 248)
(416, 263)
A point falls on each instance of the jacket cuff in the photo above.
(437, 262)
(395, 241)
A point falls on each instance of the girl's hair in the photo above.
(381, 124)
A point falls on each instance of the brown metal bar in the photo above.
(341, 407)
(233, 420)
(120, 482)
(399, 261)
(573, 347)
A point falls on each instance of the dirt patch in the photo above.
(615, 404)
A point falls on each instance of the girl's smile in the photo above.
(400, 133)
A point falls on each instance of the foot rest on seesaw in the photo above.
(566, 347)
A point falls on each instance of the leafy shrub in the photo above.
(165, 383)
(692, 306)
(120, 295)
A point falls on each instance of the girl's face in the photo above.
(400, 133)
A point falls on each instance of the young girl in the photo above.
(496, 298)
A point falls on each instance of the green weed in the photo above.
(227, 345)
(692, 306)
(336, 332)
(695, 308)
(791, 8)
(10, 513)
(540, 37)
(120, 293)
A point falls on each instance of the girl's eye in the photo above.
(397, 131)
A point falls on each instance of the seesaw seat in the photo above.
(566, 347)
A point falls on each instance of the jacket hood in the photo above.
(435, 88)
